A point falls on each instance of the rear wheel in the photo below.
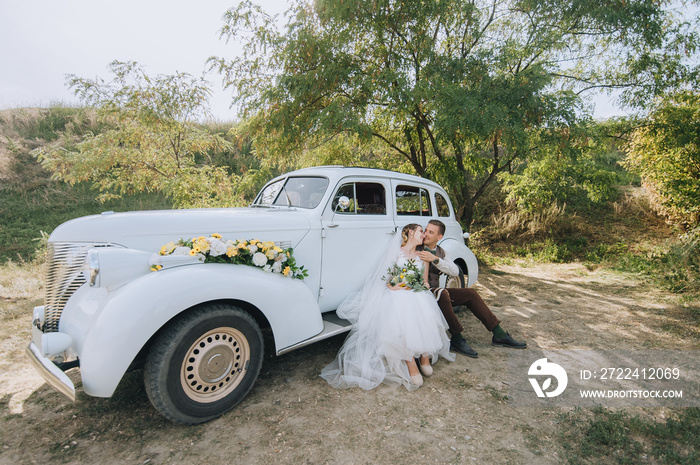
(204, 364)
(458, 281)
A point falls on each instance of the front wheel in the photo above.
(204, 364)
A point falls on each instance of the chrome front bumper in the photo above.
(53, 375)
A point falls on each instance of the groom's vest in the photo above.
(433, 272)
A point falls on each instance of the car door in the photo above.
(353, 236)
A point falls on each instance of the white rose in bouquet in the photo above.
(217, 247)
(259, 259)
(182, 250)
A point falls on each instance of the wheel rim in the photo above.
(454, 282)
(215, 364)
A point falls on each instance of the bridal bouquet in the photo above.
(409, 276)
(215, 249)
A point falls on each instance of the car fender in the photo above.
(456, 250)
(124, 320)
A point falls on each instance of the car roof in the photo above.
(338, 171)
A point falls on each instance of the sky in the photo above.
(42, 41)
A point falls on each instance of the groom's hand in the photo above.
(426, 256)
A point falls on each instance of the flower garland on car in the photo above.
(409, 276)
(253, 252)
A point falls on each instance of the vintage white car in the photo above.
(195, 327)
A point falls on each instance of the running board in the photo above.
(332, 326)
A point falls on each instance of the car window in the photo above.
(268, 194)
(443, 208)
(366, 198)
(412, 200)
(303, 192)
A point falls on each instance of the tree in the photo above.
(665, 152)
(152, 143)
(570, 167)
(457, 88)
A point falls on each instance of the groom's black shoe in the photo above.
(507, 342)
(461, 346)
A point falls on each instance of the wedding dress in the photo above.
(390, 327)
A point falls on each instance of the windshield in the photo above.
(303, 192)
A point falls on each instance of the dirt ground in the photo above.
(460, 415)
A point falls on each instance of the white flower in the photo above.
(259, 259)
(267, 268)
(253, 249)
(277, 267)
(217, 247)
(182, 250)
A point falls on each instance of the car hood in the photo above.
(149, 230)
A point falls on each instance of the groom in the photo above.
(447, 298)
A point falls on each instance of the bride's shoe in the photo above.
(417, 380)
(426, 369)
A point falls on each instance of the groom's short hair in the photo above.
(440, 225)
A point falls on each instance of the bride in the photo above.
(392, 326)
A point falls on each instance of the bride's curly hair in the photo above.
(406, 230)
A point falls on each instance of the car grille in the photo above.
(64, 262)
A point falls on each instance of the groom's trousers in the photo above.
(453, 297)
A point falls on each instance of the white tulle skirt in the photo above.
(397, 326)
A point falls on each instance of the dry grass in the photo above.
(511, 223)
(21, 281)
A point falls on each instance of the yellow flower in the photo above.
(216, 236)
(167, 249)
(156, 267)
(286, 271)
(278, 249)
(232, 251)
(201, 244)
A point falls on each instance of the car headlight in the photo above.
(112, 267)
(91, 268)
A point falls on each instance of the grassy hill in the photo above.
(31, 203)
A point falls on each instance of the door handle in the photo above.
(332, 225)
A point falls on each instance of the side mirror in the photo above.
(343, 203)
